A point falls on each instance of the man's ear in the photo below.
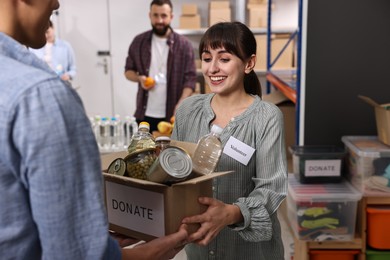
(250, 64)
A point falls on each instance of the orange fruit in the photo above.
(149, 82)
(164, 127)
(172, 119)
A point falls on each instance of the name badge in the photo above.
(238, 150)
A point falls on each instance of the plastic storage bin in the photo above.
(321, 212)
(318, 164)
(333, 254)
(378, 227)
(377, 255)
(368, 162)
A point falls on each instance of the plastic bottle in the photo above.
(142, 139)
(130, 127)
(105, 141)
(96, 121)
(208, 151)
(116, 134)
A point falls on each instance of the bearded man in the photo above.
(166, 57)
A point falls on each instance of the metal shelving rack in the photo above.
(286, 81)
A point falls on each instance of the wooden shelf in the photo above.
(285, 82)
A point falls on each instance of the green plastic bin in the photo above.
(377, 255)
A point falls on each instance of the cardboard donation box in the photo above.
(146, 210)
(382, 116)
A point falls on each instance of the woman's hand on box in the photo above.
(217, 216)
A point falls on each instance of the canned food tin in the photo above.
(118, 167)
(138, 163)
(172, 165)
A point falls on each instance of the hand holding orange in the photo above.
(149, 82)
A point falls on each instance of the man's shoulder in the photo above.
(27, 78)
(143, 35)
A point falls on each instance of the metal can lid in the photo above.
(176, 162)
(163, 138)
(118, 167)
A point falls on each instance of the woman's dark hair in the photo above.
(161, 2)
(236, 38)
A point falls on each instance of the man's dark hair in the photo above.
(161, 2)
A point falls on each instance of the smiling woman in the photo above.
(241, 220)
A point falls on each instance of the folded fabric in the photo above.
(314, 211)
(378, 183)
(324, 222)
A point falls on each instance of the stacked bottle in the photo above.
(208, 151)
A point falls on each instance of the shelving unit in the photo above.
(286, 81)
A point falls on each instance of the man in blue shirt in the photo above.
(51, 201)
(58, 54)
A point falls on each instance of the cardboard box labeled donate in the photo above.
(382, 116)
(146, 210)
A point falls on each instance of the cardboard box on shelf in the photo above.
(146, 210)
(219, 15)
(288, 109)
(219, 4)
(382, 117)
(285, 61)
(257, 1)
(189, 21)
(189, 9)
(258, 15)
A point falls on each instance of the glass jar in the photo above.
(139, 162)
(162, 142)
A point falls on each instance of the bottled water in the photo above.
(116, 136)
(130, 127)
(142, 139)
(105, 140)
(96, 121)
(208, 151)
